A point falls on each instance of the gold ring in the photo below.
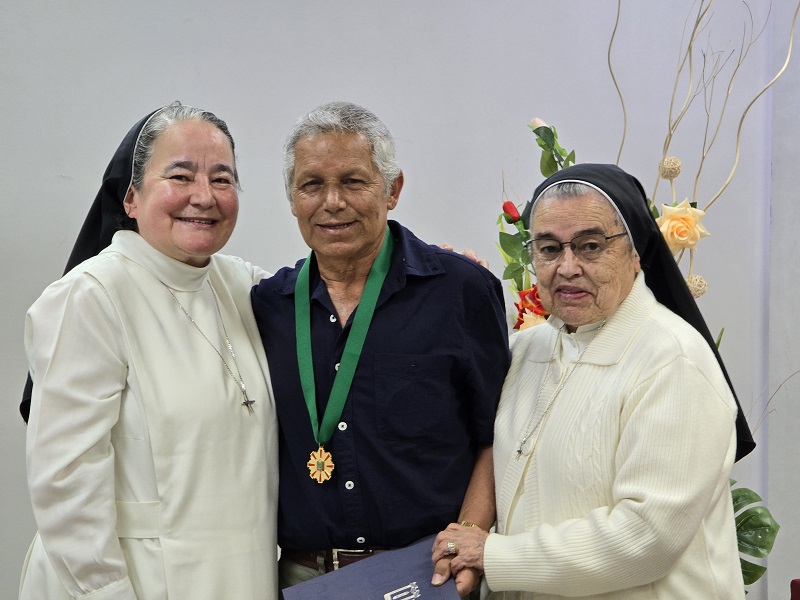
(451, 548)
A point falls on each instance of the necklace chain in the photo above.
(239, 381)
(530, 428)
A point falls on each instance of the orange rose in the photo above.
(529, 308)
(681, 226)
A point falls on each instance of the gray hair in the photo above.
(343, 117)
(158, 124)
(576, 189)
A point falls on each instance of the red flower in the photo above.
(530, 299)
(511, 212)
(529, 302)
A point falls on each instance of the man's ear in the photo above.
(394, 192)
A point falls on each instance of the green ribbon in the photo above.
(352, 349)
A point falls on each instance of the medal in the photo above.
(320, 465)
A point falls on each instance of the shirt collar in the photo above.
(608, 342)
(411, 256)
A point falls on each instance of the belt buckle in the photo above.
(335, 555)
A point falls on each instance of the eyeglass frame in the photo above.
(571, 243)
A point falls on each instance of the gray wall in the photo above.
(457, 82)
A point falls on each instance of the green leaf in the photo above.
(742, 497)
(505, 256)
(519, 283)
(512, 271)
(525, 217)
(546, 138)
(719, 337)
(548, 164)
(570, 159)
(751, 572)
(756, 531)
(511, 245)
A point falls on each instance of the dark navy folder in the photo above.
(403, 574)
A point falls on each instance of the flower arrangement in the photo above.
(680, 224)
(513, 246)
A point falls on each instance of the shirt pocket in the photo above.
(415, 396)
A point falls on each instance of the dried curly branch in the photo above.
(744, 49)
(616, 85)
(766, 411)
(687, 56)
(747, 109)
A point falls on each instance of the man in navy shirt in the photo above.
(387, 358)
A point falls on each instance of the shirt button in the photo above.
(333, 318)
(342, 426)
(360, 540)
(349, 485)
(336, 366)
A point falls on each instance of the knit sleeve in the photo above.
(671, 463)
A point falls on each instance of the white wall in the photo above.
(456, 81)
(783, 455)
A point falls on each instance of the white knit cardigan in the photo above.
(626, 492)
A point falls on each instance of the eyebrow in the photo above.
(192, 166)
(315, 172)
(549, 235)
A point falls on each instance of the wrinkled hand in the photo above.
(466, 565)
(469, 253)
(466, 579)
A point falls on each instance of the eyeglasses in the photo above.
(586, 247)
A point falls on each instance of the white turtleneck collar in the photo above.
(176, 274)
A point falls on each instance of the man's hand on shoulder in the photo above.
(468, 252)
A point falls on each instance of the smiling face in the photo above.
(581, 292)
(187, 204)
(338, 197)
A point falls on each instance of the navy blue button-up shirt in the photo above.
(422, 401)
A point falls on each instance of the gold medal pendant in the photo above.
(320, 465)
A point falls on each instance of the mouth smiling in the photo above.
(335, 226)
(196, 220)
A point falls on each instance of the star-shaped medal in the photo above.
(320, 465)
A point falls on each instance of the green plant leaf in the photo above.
(653, 209)
(505, 256)
(525, 217)
(512, 271)
(570, 159)
(756, 531)
(742, 497)
(548, 164)
(546, 138)
(751, 572)
(511, 245)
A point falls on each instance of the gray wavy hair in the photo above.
(575, 189)
(343, 117)
(158, 124)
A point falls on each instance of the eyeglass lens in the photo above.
(586, 247)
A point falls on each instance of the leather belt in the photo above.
(329, 560)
